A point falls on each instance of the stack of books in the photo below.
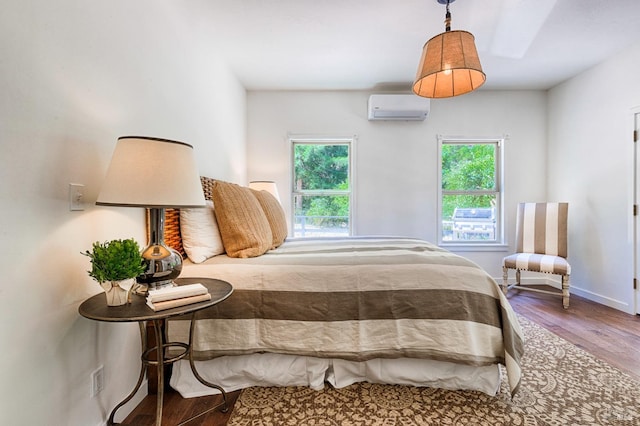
(172, 297)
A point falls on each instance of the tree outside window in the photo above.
(470, 191)
(321, 188)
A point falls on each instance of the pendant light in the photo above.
(449, 65)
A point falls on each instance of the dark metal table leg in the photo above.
(157, 326)
(223, 406)
(143, 370)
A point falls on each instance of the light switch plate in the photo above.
(76, 197)
(97, 381)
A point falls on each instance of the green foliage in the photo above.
(115, 260)
(322, 167)
(469, 167)
(329, 210)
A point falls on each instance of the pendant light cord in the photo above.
(447, 18)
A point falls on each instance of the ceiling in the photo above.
(376, 44)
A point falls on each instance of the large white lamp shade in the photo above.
(156, 174)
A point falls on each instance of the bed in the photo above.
(343, 310)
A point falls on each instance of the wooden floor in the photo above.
(606, 333)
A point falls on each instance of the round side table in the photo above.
(96, 308)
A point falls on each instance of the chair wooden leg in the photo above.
(505, 280)
(565, 291)
(505, 286)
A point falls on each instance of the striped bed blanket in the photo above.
(358, 298)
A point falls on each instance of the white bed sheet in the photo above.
(266, 369)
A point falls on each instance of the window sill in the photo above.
(461, 247)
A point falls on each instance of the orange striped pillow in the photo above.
(243, 225)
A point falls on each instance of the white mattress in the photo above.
(265, 369)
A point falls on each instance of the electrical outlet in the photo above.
(76, 196)
(97, 381)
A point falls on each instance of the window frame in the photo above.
(498, 192)
(322, 140)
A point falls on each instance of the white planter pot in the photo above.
(117, 292)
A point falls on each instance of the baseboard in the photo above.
(555, 282)
(127, 408)
(603, 300)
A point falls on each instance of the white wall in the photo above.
(396, 162)
(73, 77)
(591, 166)
(76, 75)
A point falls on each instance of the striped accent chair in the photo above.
(541, 246)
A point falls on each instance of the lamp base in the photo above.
(163, 264)
(143, 289)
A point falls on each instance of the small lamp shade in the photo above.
(152, 173)
(265, 185)
(449, 66)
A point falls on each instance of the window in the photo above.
(322, 188)
(470, 207)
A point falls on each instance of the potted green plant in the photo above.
(115, 265)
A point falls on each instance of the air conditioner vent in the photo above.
(398, 107)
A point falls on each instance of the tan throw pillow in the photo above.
(200, 235)
(243, 225)
(275, 215)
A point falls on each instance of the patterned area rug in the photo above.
(561, 385)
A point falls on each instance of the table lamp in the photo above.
(265, 185)
(155, 174)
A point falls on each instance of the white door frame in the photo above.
(636, 206)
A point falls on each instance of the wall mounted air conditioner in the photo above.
(398, 107)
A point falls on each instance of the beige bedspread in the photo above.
(358, 298)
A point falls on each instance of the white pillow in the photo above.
(200, 235)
